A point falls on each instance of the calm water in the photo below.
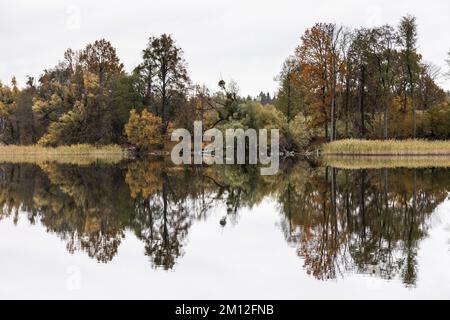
(150, 230)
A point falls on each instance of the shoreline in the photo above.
(387, 155)
(74, 154)
(386, 148)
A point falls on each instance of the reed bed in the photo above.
(387, 147)
(74, 154)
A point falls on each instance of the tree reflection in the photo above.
(161, 215)
(339, 221)
(366, 221)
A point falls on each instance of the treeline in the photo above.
(365, 83)
(87, 97)
(340, 83)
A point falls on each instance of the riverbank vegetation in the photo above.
(80, 154)
(386, 147)
(367, 83)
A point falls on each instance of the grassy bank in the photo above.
(74, 154)
(387, 148)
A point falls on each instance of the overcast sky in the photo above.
(242, 40)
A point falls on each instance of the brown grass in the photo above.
(74, 154)
(387, 147)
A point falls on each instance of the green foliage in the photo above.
(290, 98)
(258, 116)
(251, 114)
(7, 118)
(302, 131)
(16, 116)
(24, 117)
(124, 98)
(63, 131)
(437, 120)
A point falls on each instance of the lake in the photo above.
(148, 229)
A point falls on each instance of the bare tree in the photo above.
(448, 62)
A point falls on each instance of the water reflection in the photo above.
(339, 221)
(368, 221)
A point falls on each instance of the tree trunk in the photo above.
(411, 94)
(414, 114)
(288, 111)
(386, 116)
(361, 102)
(347, 100)
(326, 120)
(333, 105)
(362, 203)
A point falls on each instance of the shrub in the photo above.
(144, 130)
(301, 131)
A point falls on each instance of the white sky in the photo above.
(242, 40)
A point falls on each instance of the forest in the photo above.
(368, 83)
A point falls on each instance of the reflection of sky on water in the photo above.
(250, 259)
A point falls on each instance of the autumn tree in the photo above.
(368, 83)
(346, 80)
(335, 34)
(363, 79)
(383, 50)
(124, 98)
(408, 41)
(8, 96)
(56, 92)
(429, 93)
(81, 99)
(290, 99)
(100, 58)
(25, 129)
(144, 130)
(163, 77)
(315, 64)
(359, 64)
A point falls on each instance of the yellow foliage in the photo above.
(145, 130)
(91, 81)
(144, 178)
